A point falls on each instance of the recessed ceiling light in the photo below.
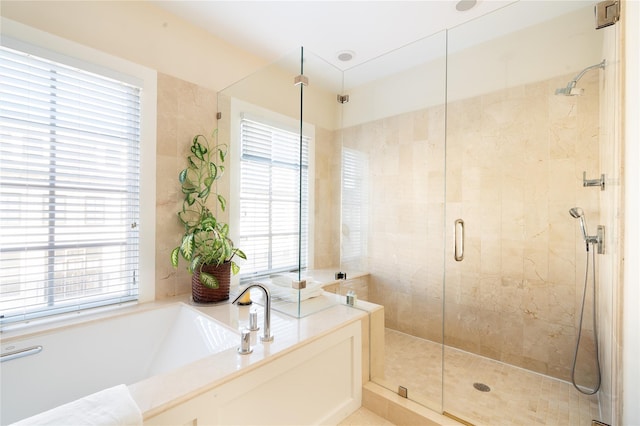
(464, 5)
(345, 55)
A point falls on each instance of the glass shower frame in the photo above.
(395, 122)
(516, 153)
(422, 155)
(512, 294)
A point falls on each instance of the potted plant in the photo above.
(205, 244)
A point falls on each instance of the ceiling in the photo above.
(273, 29)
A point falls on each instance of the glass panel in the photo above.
(260, 123)
(321, 121)
(393, 147)
(515, 156)
(279, 127)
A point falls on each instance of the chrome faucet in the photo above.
(266, 335)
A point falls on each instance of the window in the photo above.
(355, 169)
(69, 188)
(272, 169)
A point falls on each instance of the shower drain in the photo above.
(481, 387)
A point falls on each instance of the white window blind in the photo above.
(69, 188)
(274, 176)
(355, 169)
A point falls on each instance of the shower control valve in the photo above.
(593, 182)
(598, 239)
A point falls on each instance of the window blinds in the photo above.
(69, 185)
(274, 200)
(355, 170)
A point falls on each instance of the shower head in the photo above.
(570, 89)
(578, 213)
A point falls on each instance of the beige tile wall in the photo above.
(326, 238)
(519, 155)
(405, 251)
(514, 166)
(184, 110)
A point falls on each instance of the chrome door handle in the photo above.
(458, 248)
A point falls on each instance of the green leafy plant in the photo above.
(206, 240)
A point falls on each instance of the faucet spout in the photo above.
(266, 335)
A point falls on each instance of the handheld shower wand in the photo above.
(578, 213)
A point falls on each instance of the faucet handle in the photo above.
(253, 321)
(245, 342)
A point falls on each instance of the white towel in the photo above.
(112, 406)
(313, 289)
(286, 280)
(281, 280)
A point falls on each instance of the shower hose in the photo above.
(595, 331)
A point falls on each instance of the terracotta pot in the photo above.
(202, 294)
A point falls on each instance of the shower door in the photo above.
(516, 153)
(392, 216)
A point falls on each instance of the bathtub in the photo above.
(78, 360)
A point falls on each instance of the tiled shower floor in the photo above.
(517, 396)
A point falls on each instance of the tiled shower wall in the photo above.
(326, 236)
(514, 164)
(404, 256)
(519, 155)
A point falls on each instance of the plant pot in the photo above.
(202, 294)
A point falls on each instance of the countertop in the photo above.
(159, 393)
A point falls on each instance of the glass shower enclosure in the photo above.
(394, 129)
(474, 161)
(443, 173)
(517, 149)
